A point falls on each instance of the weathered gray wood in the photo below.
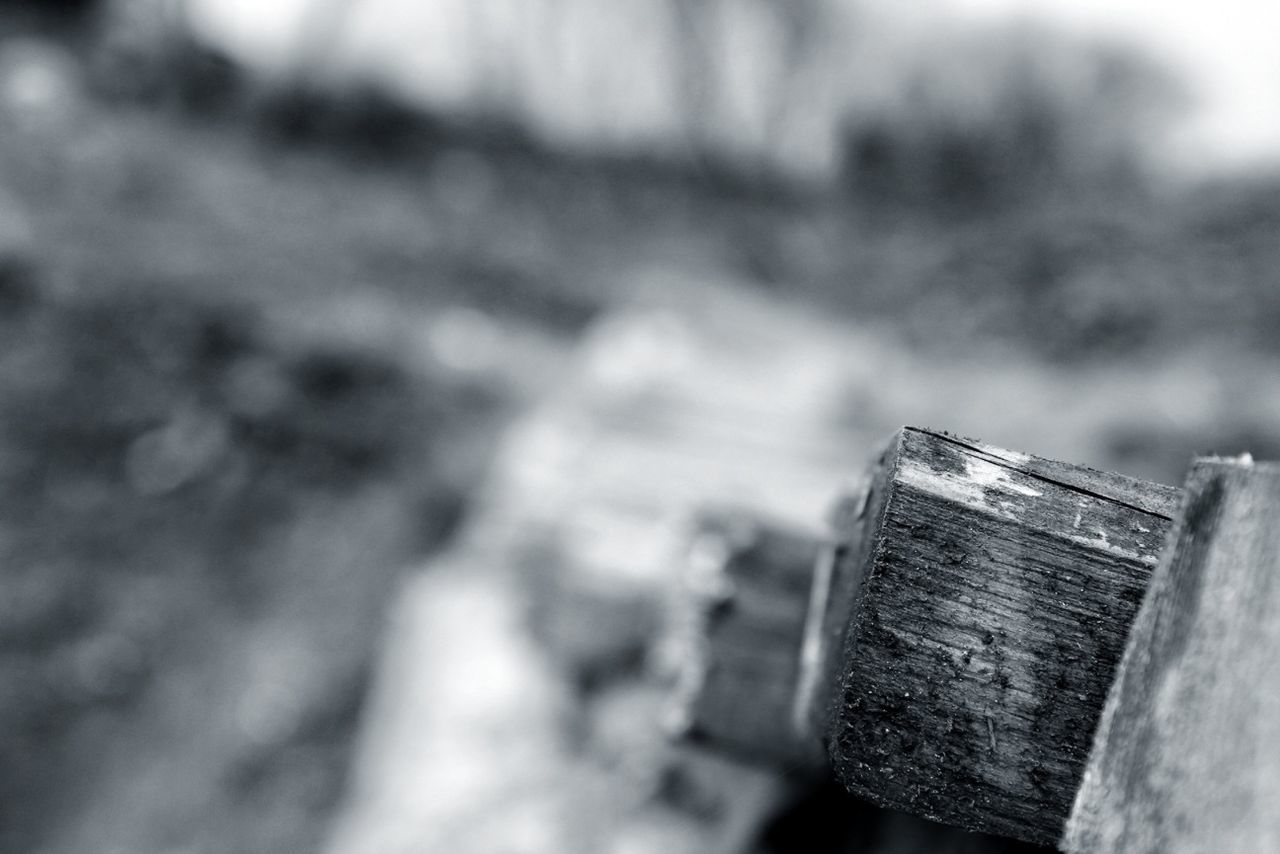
(747, 597)
(1187, 755)
(983, 613)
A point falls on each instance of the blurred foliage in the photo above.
(183, 466)
(152, 446)
(1010, 115)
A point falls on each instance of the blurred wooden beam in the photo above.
(1187, 755)
(979, 618)
(747, 596)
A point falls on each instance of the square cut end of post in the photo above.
(980, 604)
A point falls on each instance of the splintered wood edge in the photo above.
(1157, 499)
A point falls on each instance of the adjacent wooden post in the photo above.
(1187, 755)
(748, 594)
(979, 620)
(831, 599)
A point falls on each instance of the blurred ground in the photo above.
(254, 359)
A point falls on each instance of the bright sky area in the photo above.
(1226, 51)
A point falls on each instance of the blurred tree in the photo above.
(993, 117)
(319, 32)
(147, 50)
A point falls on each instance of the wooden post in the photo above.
(1187, 754)
(980, 619)
(747, 597)
(748, 593)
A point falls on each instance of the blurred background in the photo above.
(361, 362)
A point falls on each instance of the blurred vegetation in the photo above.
(1016, 115)
(155, 449)
(186, 460)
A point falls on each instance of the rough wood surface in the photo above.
(1187, 754)
(747, 600)
(747, 596)
(984, 613)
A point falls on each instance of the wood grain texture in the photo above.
(749, 579)
(985, 612)
(747, 599)
(1187, 754)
